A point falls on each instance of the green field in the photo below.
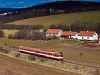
(90, 55)
(93, 16)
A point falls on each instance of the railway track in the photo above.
(80, 64)
(65, 61)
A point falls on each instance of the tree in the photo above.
(31, 57)
(10, 36)
(52, 26)
(75, 26)
(17, 54)
(1, 33)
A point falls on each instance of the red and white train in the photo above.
(39, 52)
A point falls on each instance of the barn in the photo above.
(88, 35)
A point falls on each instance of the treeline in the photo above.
(78, 26)
(27, 34)
(23, 14)
(19, 27)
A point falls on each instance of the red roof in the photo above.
(86, 33)
(67, 33)
(53, 31)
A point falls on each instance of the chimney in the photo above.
(87, 31)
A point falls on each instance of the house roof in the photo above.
(86, 33)
(68, 33)
(53, 31)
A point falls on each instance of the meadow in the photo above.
(70, 51)
(67, 19)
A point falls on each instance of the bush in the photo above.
(48, 38)
(42, 59)
(17, 55)
(4, 50)
(31, 57)
(1, 33)
(94, 72)
(10, 36)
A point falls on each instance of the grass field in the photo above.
(90, 55)
(93, 16)
(11, 66)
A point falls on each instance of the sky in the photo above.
(26, 3)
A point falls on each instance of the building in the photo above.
(69, 35)
(54, 32)
(99, 40)
(3, 14)
(88, 35)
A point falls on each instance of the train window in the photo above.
(42, 52)
(57, 55)
(29, 50)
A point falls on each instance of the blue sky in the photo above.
(25, 3)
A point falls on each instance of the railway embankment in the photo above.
(71, 66)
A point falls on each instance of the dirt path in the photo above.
(10, 66)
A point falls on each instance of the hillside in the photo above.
(51, 8)
(93, 16)
(67, 5)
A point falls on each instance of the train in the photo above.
(42, 53)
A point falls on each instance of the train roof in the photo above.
(29, 48)
(51, 52)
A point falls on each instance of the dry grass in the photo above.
(10, 66)
(90, 55)
(7, 32)
(67, 19)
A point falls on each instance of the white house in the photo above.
(88, 35)
(69, 34)
(54, 32)
(3, 14)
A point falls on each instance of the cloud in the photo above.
(21, 2)
(8, 3)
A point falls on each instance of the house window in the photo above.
(82, 37)
(70, 36)
(87, 37)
